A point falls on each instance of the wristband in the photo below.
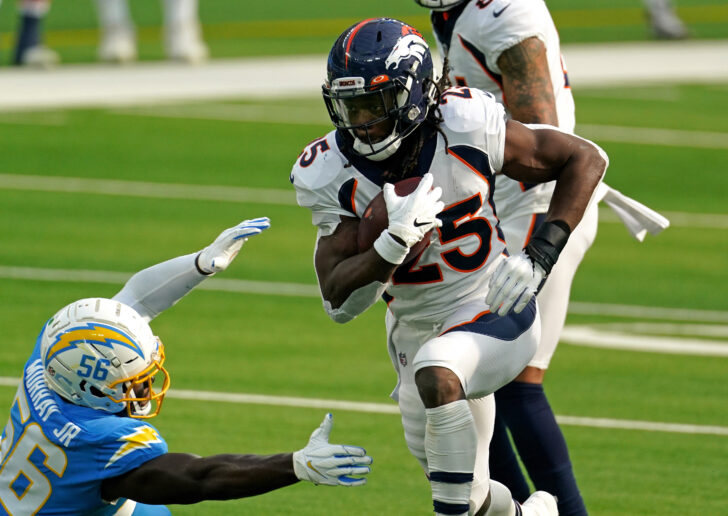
(197, 266)
(389, 249)
(547, 242)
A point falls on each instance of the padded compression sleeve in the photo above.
(154, 289)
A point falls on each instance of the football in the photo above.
(375, 220)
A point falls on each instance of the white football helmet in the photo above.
(439, 5)
(102, 354)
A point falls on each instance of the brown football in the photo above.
(375, 220)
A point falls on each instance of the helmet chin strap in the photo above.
(378, 151)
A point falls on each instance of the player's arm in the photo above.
(536, 155)
(156, 288)
(527, 87)
(342, 270)
(180, 478)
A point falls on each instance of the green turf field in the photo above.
(282, 345)
(292, 27)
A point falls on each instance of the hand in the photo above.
(218, 255)
(412, 216)
(330, 464)
(514, 282)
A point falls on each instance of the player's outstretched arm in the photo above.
(538, 155)
(156, 288)
(179, 478)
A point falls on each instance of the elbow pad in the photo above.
(359, 300)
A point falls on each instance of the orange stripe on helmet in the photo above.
(350, 38)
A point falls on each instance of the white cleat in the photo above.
(540, 503)
(184, 43)
(40, 57)
(118, 45)
(664, 21)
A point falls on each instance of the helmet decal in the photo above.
(94, 333)
(411, 45)
(350, 37)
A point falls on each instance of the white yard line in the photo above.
(391, 408)
(249, 195)
(654, 136)
(94, 85)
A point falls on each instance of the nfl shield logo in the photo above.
(403, 359)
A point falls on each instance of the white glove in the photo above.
(218, 255)
(513, 284)
(412, 216)
(330, 464)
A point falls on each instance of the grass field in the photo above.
(263, 340)
(279, 345)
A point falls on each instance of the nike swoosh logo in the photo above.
(311, 466)
(498, 13)
(418, 223)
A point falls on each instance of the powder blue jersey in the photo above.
(54, 454)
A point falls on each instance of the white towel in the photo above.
(638, 218)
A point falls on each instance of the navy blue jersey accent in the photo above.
(450, 508)
(508, 327)
(386, 297)
(540, 219)
(480, 58)
(346, 196)
(450, 478)
(443, 24)
(374, 170)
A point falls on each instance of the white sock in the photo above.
(180, 12)
(113, 13)
(450, 445)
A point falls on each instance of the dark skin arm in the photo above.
(341, 269)
(540, 155)
(180, 478)
(527, 89)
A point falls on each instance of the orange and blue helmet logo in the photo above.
(93, 333)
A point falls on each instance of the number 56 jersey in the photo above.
(454, 268)
(54, 454)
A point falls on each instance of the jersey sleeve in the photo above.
(477, 114)
(518, 20)
(315, 177)
(125, 446)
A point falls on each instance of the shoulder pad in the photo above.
(467, 109)
(318, 164)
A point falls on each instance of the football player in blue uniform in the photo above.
(461, 318)
(78, 440)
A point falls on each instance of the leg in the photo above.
(523, 404)
(450, 439)
(504, 466)
(29, 49)
(118, 38)
(182, 34)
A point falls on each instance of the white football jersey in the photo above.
(455, 267)
(473, 36)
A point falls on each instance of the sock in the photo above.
(540, 443)
(29, 34)
(450, 446)
(504, 466)
(179, 12)
(113, 13)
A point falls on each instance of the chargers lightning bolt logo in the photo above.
(93, 333)
(142, 437)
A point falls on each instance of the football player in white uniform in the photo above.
(461, 319)
(511, 49)
(78, 440)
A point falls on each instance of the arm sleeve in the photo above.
(154, 289)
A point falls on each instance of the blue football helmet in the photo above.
(379, 85)
(439, 5)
